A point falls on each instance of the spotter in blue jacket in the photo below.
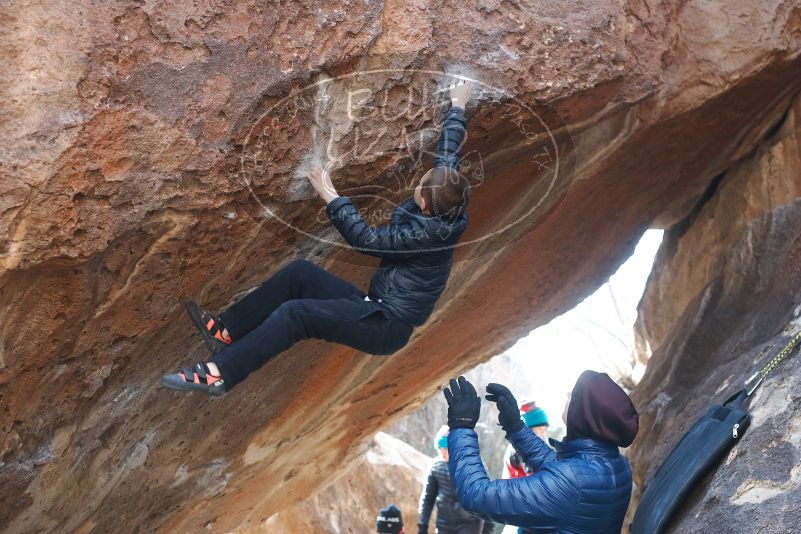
(583, 486)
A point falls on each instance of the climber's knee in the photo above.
(299, 268)
(299, 265)
(294, 313)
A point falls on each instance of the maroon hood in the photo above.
(600, 409)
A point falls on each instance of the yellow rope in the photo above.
(776, 360)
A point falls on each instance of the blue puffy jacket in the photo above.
(584, 486)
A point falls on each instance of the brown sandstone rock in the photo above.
(388, 471)
(141, 164)
(693, 252)
(723, 299)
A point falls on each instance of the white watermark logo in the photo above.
(376, 132)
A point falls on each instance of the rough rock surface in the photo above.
(724, 297)
(694, 251)
(387, 471)
(151, 151)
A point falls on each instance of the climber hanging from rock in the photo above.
(303, 301)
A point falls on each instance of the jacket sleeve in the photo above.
(531, 448)
(427, 499)
(397, 240)
(449, 148)
(543, 500)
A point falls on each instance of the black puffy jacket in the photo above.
(416, 250)
(450, 514)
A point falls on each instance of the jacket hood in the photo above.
(599, 409)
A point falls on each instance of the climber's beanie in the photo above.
(441, 438)
(535, 417)
(390, 521)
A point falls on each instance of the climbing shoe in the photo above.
(197, 378)
(210, 327)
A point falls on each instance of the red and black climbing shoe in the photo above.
(210, 327)
(197, 378)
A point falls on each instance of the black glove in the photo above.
(508, 410)
(464, 406)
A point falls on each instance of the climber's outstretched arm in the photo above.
(533, 450)
(454, 127)
(543, 500)
(399, 239)
(531, 447)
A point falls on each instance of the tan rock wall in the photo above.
(722, 300)
(387, 472)
(139, 158)
(695, 250)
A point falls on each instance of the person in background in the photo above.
(389, 521)
(583, 487)
(535, 419)
(438, 489)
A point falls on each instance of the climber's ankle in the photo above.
(225, 335)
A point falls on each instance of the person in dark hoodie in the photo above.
(304, 301)
(438, 489)
(584, 486)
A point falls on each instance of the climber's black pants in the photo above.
(302, 301)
